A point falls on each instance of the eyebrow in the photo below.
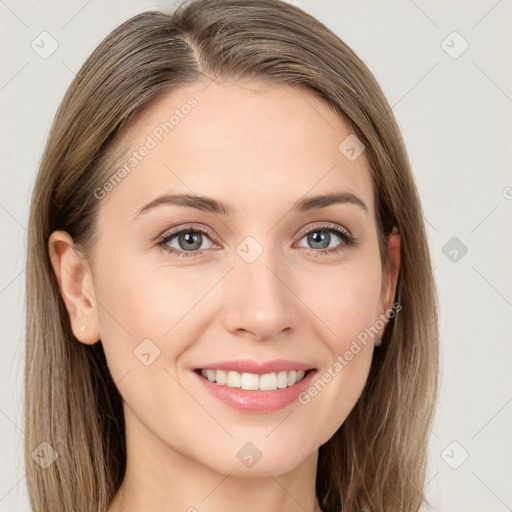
(209, 204)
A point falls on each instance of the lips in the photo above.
(252, 386)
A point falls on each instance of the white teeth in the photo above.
(268, 382)
(282, 379)
(220, 376)
(253, 381)
(233, 380)
(250, 381)
(292, 377)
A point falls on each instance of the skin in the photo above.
(259, 147)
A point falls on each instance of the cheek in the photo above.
(346, 303)
(345, 298)
(145, 326)
(140, 300)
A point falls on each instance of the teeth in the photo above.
(220, 377)
(233, 380)
(253, 381)
(292, 377)
(282, 380)
(249, 381)
(268, 382)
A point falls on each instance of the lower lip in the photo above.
(257, 401)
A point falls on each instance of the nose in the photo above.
(259, 301)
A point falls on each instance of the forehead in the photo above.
(247, 143)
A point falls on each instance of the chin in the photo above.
(257, 459)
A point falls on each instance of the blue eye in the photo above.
(190, 241)
(321, 238)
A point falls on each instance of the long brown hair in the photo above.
(377, 458)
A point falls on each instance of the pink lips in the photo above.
(250, 366)
(256, 401)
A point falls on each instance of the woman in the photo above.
(230, 300)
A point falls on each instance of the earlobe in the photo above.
(75, 281)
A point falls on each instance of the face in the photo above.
(257, 273)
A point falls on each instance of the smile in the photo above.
(255, 387)
(253, 381)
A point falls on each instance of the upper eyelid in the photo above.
(173, 233)
(326, 225)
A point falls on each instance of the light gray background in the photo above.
(455, 114)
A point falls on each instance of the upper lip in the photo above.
(260, 368)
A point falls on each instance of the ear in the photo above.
(390, 274)
(76, 286)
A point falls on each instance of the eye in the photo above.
(188, 240)
(322, 239)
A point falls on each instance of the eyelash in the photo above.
(348, 240)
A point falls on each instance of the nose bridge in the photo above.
(258, 300)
